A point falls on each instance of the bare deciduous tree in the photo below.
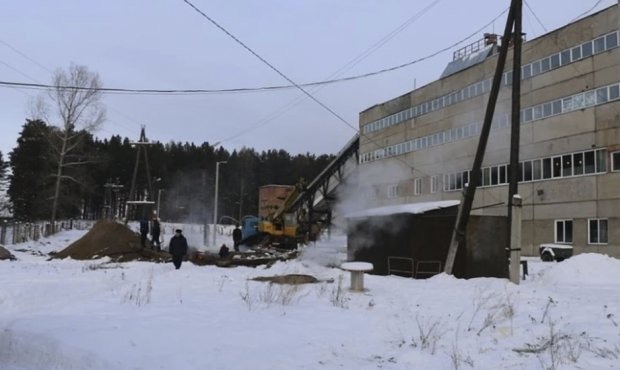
(77, 109)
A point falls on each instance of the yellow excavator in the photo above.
(275, 225)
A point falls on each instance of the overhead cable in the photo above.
(132, 91)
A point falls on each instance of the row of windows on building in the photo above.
(559, 106)
(597, 231)
(581, 163)
(587, 162)
(543, 65)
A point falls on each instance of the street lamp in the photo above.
(217, 181)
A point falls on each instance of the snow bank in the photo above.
(588, 268)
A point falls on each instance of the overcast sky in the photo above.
(165, 44)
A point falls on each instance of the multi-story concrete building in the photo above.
(423, 143)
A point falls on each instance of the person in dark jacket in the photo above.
(155, 231)
(144, 231)
(178, 248)
(224, 251)
(237, 236)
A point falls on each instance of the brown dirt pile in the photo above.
(111, 239)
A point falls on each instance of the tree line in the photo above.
(182, 175)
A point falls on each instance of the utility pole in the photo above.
(513, 241)
(462, 218)
(141, 144)
(217, 183)
(241, 194)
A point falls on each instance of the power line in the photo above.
(536, 16)
(339, 117)
(110, 90)
(587, 11)
(360, 57)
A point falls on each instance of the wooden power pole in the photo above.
(458, 234)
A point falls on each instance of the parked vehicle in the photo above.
(557, 252)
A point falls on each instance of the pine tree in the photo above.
(30, 183)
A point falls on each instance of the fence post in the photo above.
(3, 233)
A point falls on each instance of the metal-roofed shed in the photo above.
(412, 240)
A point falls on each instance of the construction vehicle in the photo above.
(275, 225)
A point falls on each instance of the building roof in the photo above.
(411, 208)
(467, 61)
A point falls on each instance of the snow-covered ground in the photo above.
(67, 314)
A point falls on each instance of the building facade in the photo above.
(420, 146)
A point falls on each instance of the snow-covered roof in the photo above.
(412, 208)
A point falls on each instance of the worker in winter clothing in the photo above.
(224, 251)
(155, 230)
(237, 236)
(144, 231)
(178, 248)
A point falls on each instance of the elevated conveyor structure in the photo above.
(319, 196)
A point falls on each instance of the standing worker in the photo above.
(144, 231)
(178, 248)
(237, 236)
(155, 230)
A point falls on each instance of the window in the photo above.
(393, 191)
(614, 92)
(586, 49)
(589, 162)
(417, 186)
(564, 231)
(434, 184)
(601, 160)
(527, 171)
(576, 51)
(547, 109)
(545, 64)
(494, 176)
(615, 161)
(528, 114)
(526, 71)
(537, 169)
(486, 176)
(557, 107)
(459, 181)
(502, 175)
(557, 166)
(546, 168)
(578, 164)
(567, 165)
(578, 101)
(589, 98)
(555, 60)
(599, 45)
(566, 57)
(536, 68)
(597, 231)
(567, 104)
(601, 95)
(538, 112)
(612, 40)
